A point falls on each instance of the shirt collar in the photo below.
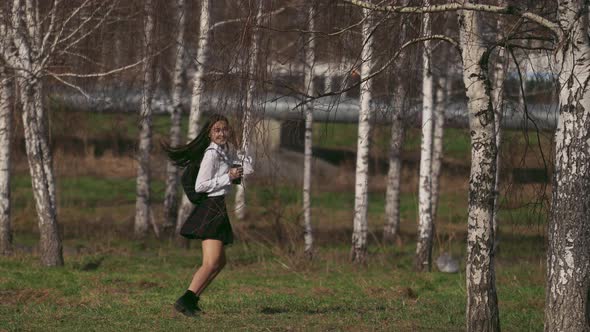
(220, 148)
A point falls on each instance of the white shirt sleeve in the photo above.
(208, 180)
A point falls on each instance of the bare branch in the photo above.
(525, 47)
(57, 38)
(241, 19)
(83, 57)
(330, 34)
(83, 23)
(71, 85)
(91, 30)
(508, 10)
(526, 111)
(110, 72)
(73, 33)
(383, 67)
(52, 15)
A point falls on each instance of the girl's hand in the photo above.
(235, 173)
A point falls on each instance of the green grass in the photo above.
(452, 208)
(456, 141)
(133, 289)
(99, 125)
(263, 287)
(84, 191)
(337, 136)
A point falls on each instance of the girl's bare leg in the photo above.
(213, 262)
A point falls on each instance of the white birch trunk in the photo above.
(423, 259)
(241, 207)
(195, 109)
(40, 163)
(240, 201)
(393, 192)
(482, 303)
(309, 86)
(567, 304)
(42, 125)
(500, 68)
(440, 96)
(5, 137)
(358, 251)
(23, 31)
(171, 194)
(392, 196)
(142, 205)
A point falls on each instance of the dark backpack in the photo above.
(188, 179)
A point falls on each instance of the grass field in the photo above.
(112, 282)
(266, 286)
(133, 289)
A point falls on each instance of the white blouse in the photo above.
(213, 177)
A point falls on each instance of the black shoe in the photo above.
(187, 304)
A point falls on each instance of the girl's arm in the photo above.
(207, 180)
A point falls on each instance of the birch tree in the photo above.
(171, 194)
(423, 258)
(482, 300)
(198, 87)
(25, 49)
(5, 138)
(247, 120)
(392, 193)
(309, 50)
(142, 205)
(358, 251)
(500, 67)
(567, 304)
(441, 89)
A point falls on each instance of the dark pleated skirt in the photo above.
(209, 220)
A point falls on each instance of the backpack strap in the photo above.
(221, 156)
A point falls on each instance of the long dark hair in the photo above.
(193, 151)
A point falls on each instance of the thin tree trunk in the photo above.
(567, 304)
(23, 30)
(392, 196)
(309, 86)
(241, 207)
(482, 301)
(171, 194)
(358, 251)
(440, 94)
(240, 201)
(198, 86)
(142, 205)
(5, 138)
(39, 159)
(500, 68)
(423, 258)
